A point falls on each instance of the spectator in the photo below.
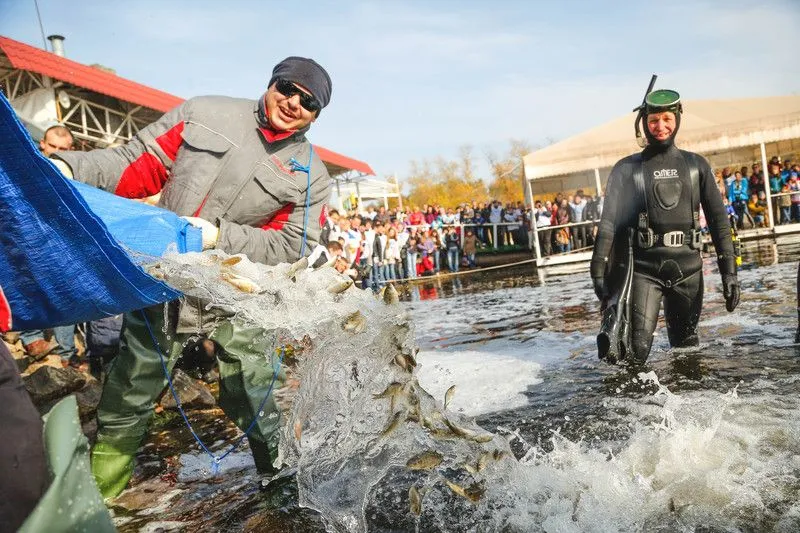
(577, 207)
(453, 250)
(756, 209)
(470, 248)
(392, 256)
(543, 216)
(738, 195)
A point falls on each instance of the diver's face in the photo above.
(661, 125)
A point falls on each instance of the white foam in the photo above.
(485, 382)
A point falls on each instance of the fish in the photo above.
(394, 423)
(391, 390)
(297, 267)
(468, 433)
(415, 500)
(390, 295)
(449, 395)
(427, 460)
(405, 361)
(229, 262)
(240, 282)
(472, 493)
(340, 286)
(355, 323)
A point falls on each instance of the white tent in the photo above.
(726, 132)
(363, 189)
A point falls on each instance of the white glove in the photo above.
(210, 231)
(63, 168)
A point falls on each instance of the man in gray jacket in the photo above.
(243, 172)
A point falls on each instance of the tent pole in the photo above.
(358, 195)
(597, 182)
(535, 239)
(767, 192)
(339, 197)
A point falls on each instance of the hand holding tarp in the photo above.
(210, 231)
(730, 290)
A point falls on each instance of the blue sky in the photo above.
(417, 80)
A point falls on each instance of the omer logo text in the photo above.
(666, 173)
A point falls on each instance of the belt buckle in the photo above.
(673, 239)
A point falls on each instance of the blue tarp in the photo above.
(59, 263)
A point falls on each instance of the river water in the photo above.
(703, 439)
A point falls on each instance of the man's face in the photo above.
(661, 125)
(52, 143)
(286, 113)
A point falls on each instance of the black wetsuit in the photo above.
(673, 274)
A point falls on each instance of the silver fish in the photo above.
(449, 395)
(472, 493)
(427, 460)
(415, 500)
(297, 267)
(340, 286)
(240, 282)
(390, 295)
(355, 323)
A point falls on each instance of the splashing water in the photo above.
(698, 459)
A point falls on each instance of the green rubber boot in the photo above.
(112, 469)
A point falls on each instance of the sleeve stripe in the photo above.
(171, 141)
(280, 218)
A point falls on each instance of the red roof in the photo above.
(332, 158)
(26, 57)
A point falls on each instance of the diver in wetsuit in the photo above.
(670, 185)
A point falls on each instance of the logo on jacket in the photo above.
(666, 173)
(323, 215)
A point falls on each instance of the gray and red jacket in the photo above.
(209, 159)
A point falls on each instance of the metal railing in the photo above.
(464, 226)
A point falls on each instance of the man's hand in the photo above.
(600, 289)
(730, 289)
(210, 231)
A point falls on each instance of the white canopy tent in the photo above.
(362, 189)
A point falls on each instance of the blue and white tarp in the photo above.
(63, 257)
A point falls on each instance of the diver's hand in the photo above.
(600, 289)
(730, 289)
(210, 231)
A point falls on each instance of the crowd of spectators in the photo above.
(377, 245)
(744, 193)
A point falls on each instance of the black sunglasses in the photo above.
(289, 89)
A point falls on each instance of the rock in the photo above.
(23, 363)
(191, 392)
(88, 398)
(142, 496)
(49, 383)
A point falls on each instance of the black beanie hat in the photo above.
(305, 72)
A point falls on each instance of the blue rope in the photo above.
(297, 167)
(215, 459)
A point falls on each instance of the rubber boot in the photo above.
(111, 468)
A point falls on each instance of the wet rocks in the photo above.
(191, 392)
(49, 383)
